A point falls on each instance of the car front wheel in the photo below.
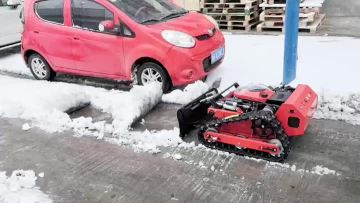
(151, 72)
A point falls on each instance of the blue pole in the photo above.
(291, 40)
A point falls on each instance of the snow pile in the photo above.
(185, 96)
(44, 104)
(320, 170)
(20, 187)
(14, 64)
(41, 102)
(151, 141)
(336, 107)
(126, 107)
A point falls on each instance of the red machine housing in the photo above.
(294, 115)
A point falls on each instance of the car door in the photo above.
(97, 52)
(50, 34)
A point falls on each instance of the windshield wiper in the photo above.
(174, 15)
(150, 21)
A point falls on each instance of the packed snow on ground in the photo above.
(337, 107)
(20, 188)
(14, 64)
(325, 63)
(151, 141)
(317, 170)
(44, 104)
(321, 170)
(185, 96)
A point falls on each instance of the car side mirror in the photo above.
(109, 26)
(106, 26)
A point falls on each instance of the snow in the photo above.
(337, 107)
(150, 141)
(185, 96)
(177, 156)
(26, 127)
(14, 64)
(312, 3)
(44, 104)
(325, 63)
(317, 170)
(321, 170)
(20, 188)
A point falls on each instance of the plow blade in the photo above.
(194, 113)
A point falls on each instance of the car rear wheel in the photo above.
(40, 68)
(151, 72)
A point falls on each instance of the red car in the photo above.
(130, 40)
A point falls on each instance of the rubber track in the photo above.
(276, 125)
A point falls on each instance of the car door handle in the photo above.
(76, 38)
(36, 32)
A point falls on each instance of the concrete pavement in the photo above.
(89, 170)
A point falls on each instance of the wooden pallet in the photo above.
(278, 1)
(233, 11)
(247, 4)
(304, 17)
(311, 28)
(238, 22)
(246, 28)
(235, 17)
(302, 5)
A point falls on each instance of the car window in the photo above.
(51, 10)
(88, 14)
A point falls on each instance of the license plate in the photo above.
(217, 55)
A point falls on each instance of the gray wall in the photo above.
(342, 8)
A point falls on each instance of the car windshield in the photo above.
(149, 11)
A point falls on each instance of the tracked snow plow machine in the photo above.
(255, 121)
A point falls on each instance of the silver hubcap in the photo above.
(38, 67)
(150, 75)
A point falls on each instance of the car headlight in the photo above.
(179, 39)
(212, 20)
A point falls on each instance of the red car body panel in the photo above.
(74, 50)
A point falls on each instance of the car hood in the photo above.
(194, 24)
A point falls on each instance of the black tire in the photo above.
(166, 82)
(48, 75)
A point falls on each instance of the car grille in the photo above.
(206, 36)
(207, 64)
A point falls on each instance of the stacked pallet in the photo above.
(273, 16)
(233, 15)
